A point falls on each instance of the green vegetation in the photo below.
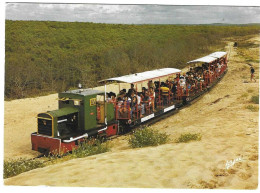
(244, 95)
(87, 149)
(252, 108)
(255, 99)
(147, 137)
(14, 167)
(17, 166)
(42, 57)
(184, 138)
(247, 54)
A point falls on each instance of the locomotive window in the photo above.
(92, 102)
(76, 102)
(66, 102)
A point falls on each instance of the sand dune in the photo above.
(229, 131)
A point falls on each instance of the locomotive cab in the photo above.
(58, 123)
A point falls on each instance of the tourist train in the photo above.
(136, 99)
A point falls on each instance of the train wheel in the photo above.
(102, 138)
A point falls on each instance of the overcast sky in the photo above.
(133, 14)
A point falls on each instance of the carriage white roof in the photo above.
(218, 54)
(207, 59)
(144, 76)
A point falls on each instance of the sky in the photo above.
(133, 14)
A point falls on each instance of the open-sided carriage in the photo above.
(148, 99)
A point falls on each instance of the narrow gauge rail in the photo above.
(152, 95)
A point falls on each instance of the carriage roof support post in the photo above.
(159, 92)
(136, 100)
(105, 99)
(118, 87)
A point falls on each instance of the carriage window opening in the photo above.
(100, 98)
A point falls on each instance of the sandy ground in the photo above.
(229, 131)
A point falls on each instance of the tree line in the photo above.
(43, 57)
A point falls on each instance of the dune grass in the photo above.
(250, 90)
(244, 95)
(87, 149)
(252, 108)
(147, 137)
(14, 167)
(184, 138)
(255, 99)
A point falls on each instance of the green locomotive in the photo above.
(81, 114)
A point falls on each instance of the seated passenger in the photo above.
(121, 94)
(124, 107)
(152, 96)
(119, 104)
(182, 77)
(169, 84)
(146, 100)
(108, 98)
(165, 93)
(113, 99)
(219, 68)
(140, 105)
(143, 91)
(132, 89)
(174, 86)
(133, 105)
(156, 83)
(200, 81)
(182, 84)
(178, 77)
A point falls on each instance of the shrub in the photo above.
(250, 90)
(255, 99)
(147, 137)
(252, 108)
(16, 166)
(90, 148)
(184, 138)
(244, 95)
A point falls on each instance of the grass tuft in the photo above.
(87, 149)
(147, 137)
(184, 138)
(252, 108)
(250, 90)
(17, 166)
(255, 99)
(244, 95)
